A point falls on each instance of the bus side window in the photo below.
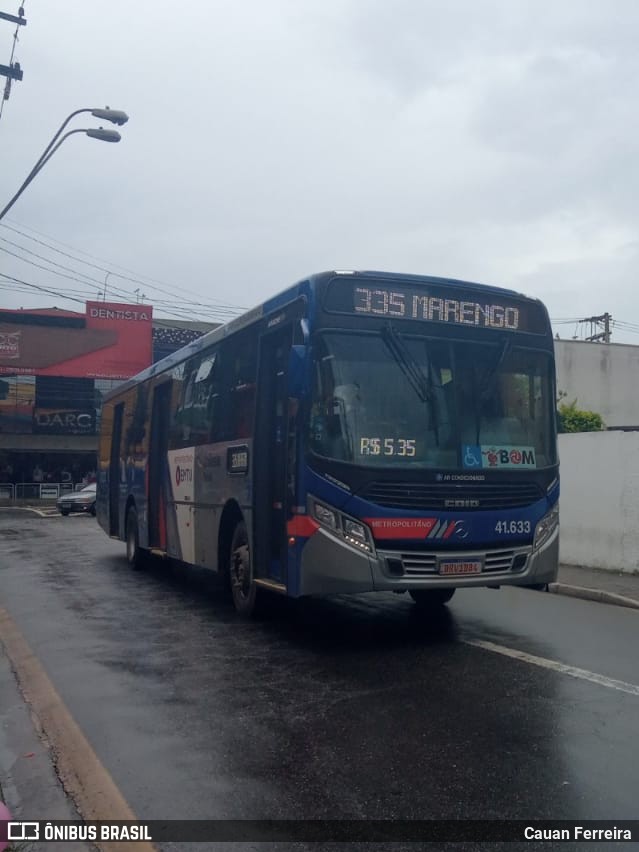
(241, 374)
(192, 420)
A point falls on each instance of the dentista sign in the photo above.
(435, 303)
(111, 314)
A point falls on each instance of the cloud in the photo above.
(493, 141)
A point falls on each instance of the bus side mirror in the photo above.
(296, 365)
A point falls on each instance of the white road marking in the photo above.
(554, 665)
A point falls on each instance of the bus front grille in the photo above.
(446, 496)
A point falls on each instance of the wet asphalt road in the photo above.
(343, 708)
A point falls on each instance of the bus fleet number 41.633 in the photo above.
(512, 527)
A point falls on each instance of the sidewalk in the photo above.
(29, 785)
(595, 584)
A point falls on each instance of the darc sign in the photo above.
(64, 422)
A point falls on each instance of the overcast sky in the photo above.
(494, 141)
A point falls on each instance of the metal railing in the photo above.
(37, 490)
(7, 491)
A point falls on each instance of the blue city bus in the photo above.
(358, 432)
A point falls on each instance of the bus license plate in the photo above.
(460, 566)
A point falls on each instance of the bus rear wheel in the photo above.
(134, 553)
(431, 598)
(243, 589)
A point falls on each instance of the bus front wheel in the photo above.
(431, 598)
(134, 553)
(243, 589)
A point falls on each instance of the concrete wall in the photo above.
(602, 376)
(599, 503)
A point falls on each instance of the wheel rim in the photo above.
(240, 566)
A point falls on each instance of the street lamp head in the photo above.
(116, 116)
(103, 135)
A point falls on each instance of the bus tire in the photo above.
(134, 553)
(243, 589)
(431, 598)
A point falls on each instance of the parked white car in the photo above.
(78, 501)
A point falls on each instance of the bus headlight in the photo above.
(326, 517)
(353, 532)
(546, 527)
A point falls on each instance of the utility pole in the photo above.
(12, 71)
(596, 324)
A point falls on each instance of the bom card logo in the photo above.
(498, 457)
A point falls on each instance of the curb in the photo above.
(43, 513)
(592, 595)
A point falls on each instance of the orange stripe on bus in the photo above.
(302, 526)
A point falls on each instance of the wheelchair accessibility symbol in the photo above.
(472, 456)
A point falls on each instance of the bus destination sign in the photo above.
(434, 304)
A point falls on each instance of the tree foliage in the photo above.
(573, 419)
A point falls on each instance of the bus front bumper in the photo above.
(330, 566)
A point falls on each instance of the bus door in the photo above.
(157, 464)
(115, 470)
(271, 466)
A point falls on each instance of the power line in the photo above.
(38, 287)
(627, 327)
(137, 280)
(54, 271)
(189, 307)
(186, 311)
(46, 259)
(167, 308)
(222, 306)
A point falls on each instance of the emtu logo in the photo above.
(183, 474)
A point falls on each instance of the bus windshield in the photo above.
(389, 399)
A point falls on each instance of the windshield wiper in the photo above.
(486, 385)
(420, 381)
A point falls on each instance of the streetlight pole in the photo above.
(115, 116)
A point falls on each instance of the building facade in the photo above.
(55, 367)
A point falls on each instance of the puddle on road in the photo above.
(9, 533)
